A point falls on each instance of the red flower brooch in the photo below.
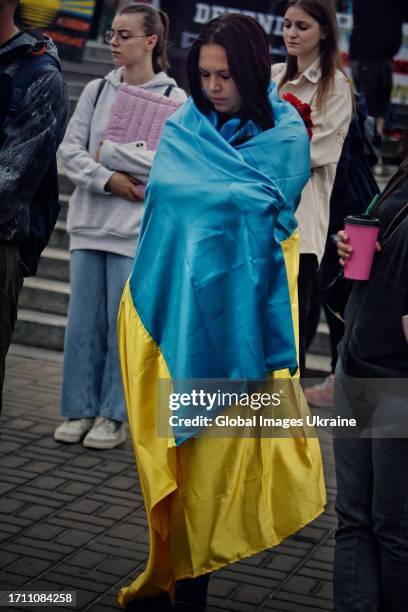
(304, 111)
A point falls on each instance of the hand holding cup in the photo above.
(364, 244)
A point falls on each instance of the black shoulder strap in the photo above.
(99, 91)
(101, 85)
(168, 91)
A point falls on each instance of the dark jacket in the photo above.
(374, 345)
(377, 29)
(354, 186)
(28, 143)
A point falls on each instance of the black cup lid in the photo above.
(362, 220)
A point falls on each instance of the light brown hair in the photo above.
(154, 22)
(324, 12)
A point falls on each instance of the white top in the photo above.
(96, 219)
(330, 127)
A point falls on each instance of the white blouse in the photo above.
(330, 127)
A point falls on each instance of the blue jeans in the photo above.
(371, 554)
(92, 384)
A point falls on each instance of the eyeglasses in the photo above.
(123, 35)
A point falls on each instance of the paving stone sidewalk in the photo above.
(73, 518)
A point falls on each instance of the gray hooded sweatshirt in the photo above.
(96, 219)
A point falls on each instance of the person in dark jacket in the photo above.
(370, 567)
(353, 190)
(29, 138)
(375, 40)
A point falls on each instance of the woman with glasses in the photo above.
(103, 223)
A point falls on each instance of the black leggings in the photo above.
(327, 271)
(308, 265)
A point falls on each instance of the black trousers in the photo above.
(11, 282)
(308, 265)
(370, 563)
(328, 269)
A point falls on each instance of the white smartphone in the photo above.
(140, 145)
(405, 326)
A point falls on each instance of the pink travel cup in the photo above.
(362, 232)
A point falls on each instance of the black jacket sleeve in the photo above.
(30, 142)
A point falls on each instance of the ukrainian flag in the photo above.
(213, 295)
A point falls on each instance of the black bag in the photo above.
(354, 185)
(353, 190)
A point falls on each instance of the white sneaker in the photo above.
(72, 430)
(105, 433)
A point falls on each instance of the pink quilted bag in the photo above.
(138, 114)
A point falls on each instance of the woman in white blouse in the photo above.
(313, 73)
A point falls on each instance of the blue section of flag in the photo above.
(209, 280)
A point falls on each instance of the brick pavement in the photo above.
(73, 518)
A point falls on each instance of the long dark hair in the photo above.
(324, 12)
(154, 22)
(247, 47)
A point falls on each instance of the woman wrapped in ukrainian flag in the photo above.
(212, 295)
